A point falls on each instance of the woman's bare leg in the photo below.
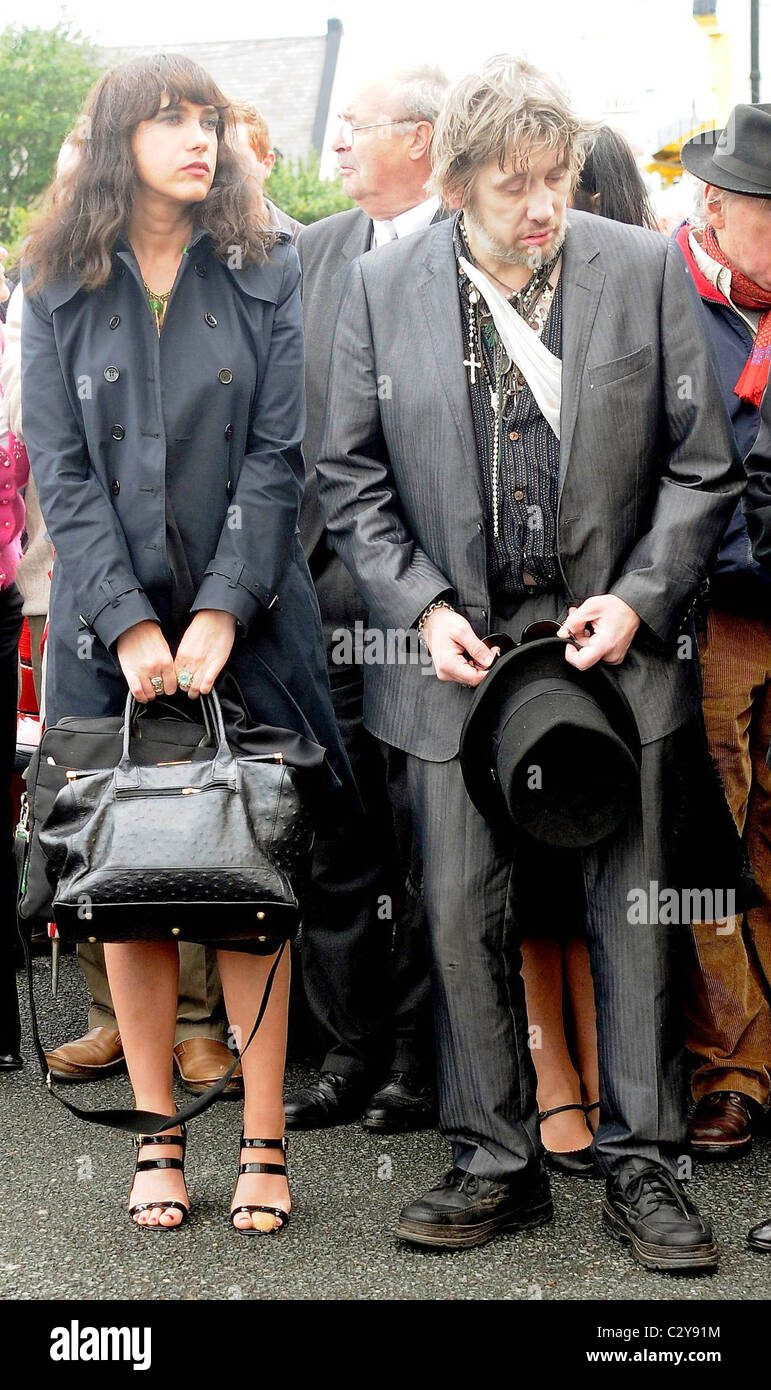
(243, 982)
(581, 991)
(558, 1080)
(144, 983)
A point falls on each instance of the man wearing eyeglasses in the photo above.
(363, 954)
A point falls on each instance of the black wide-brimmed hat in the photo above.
(549, 749)
(737, 158)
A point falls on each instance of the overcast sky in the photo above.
(646, 55)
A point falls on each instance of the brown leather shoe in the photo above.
(721, 1125)
(98, 1053)
(202, 1061)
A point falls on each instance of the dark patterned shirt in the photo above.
(523, 557)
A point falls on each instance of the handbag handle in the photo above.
(128, 774)
(160, 703)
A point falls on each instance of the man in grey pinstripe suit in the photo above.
(458, 512)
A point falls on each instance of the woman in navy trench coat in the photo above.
(162, 361)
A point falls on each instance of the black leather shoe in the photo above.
(332, 1100)
(10, 1061)
(400, 1104)
(760, 1237)
(646, 1208)
(466, 1210)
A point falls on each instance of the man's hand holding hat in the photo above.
(603, 627)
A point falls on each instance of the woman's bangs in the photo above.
(181, 80)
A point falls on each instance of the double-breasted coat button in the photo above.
(111, 373)
(199, 269)
(210, 319)
(114, 320)
(118, 432)
(228, 431)
(116, 487)
(225, 375)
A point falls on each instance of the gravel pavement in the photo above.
(65, 1233)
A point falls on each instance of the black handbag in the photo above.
(210, 847)
(198, 849)
(162, 730)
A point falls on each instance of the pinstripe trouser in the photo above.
(486, 1080)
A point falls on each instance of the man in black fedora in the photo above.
(514, 436)
(727, 247)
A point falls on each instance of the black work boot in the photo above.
(465, 1210)
(645, 1207)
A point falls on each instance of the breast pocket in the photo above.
(620, 367)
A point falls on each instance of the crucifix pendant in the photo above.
(472, 362)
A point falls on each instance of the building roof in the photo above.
(289, 80)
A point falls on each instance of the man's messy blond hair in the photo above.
(501, 112)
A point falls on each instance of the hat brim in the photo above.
(697, 157)
(530, 661)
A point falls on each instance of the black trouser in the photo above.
(10, 631)
(364, 963)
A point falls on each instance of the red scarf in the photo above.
(748, 295)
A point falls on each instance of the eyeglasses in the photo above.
(348, 130)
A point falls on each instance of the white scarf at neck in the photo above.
(540, 368)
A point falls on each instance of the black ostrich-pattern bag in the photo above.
(212, 846)
(199, 849)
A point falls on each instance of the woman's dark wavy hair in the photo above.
(610, 170)
(90, 201)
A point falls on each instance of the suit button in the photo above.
(199, 269)
(518, 495)
(514, 434)
(111, 373)
(210, 319)
(114, 321)
(118, 432)
(225, 375)
(115, 487)
(228, 435)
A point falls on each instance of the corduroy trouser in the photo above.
(729, 1001)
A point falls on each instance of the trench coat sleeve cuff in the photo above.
(119, 614)
(232, 589)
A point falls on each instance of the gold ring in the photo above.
(157, 684)
(184, 679)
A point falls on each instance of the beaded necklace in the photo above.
(533, 303)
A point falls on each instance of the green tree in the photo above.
(44, 77)
(296, 187)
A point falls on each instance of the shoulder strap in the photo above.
(142, 1121)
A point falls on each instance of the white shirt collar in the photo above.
(413, 220)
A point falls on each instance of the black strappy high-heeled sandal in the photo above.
(278, 1168)
(577, 1163)
(595, 1105)
(145, 1165)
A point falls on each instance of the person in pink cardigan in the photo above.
(14, 469)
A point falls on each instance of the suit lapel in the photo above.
(582, 282)
(438, 293)
(358, 238)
